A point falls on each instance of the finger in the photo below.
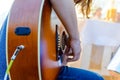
(73, 58)
(64, 62)
(67, 49)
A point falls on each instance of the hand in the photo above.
(76, 50)
(73, 50)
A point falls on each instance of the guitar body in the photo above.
(38, 59)
(49, 65)
(24, 14)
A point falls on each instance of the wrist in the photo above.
(75, 40)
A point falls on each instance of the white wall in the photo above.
(5, 6)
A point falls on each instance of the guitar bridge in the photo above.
(60, 44)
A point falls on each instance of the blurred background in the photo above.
(108, 10)
(99, 34)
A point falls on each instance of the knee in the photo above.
(100, 77)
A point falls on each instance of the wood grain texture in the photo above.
(49, 65)
(30, 62)
(24, 13)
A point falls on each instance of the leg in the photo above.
(3, 64)
(69, 73)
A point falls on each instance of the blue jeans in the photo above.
(70, 73)
(66, 73)
(3, 64)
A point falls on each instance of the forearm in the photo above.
(65, 10)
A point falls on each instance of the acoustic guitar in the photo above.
(29, 25)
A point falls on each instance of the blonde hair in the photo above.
(85, 6)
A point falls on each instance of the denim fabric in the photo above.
(3, 64)
(70, 73)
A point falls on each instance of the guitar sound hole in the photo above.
(22, 31)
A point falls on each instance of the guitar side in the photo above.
(49, 64)
(27, 64)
